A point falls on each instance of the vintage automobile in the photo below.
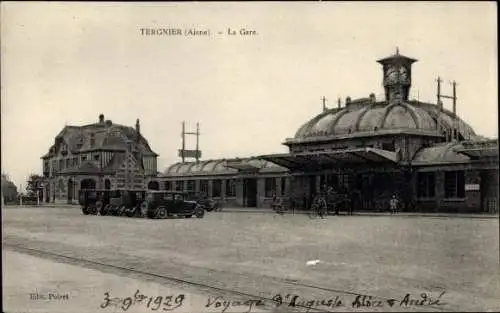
(112, 204)
(207, 203)
(123, 202)
(163, 204)
(131, 202)
(93, 200)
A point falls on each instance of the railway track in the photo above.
(271, 303)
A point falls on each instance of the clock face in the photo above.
(403, 73)
(392, 75)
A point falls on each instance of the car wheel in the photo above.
(131, 212)
(94, 210)
(85, 210)
(104, 210)
(161, 212)
(199, 212)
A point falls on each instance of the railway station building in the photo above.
(100, 155)
(368, 148)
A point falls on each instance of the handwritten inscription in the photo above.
(155, 303)
(223, 304)
(359, 301)
(293, 300)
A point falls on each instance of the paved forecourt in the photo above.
(402, 262)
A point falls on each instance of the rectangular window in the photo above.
(322, 181)
(204, 187)
(454, 184)
(283, 186)
(96, 157)
(269, 185)
(179, 186)
(190, 185)
(344, 180)
(426, 184)
(168, 185)
(216, 188)
(230, 188)
(390, 146)
(84, 158)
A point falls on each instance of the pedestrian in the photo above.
(393, 203)
(321, 205)
(273, 201)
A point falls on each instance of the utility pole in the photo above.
(324, 103)
(439, 81)
(197, 141)
(454, 99)
(183, 153)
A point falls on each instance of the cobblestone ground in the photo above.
(385, 257)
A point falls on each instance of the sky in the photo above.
(66, 63)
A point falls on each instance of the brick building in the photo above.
(101, 155)
(425, 154)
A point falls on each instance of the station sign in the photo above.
(190, 153)
(471, 187)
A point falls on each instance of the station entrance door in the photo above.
(250, 192)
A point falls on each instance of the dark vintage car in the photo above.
(124, 202)
(93, 200)
(163, 204)
(207, 203)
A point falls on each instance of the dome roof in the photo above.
(219, 167)
(367, 117)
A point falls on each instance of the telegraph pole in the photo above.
(454, 99)
(183, 153)
(183, 140)
(439, 81)
(197, 141)
(324, 103)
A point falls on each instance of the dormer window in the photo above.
(390, 146)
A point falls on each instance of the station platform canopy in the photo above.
(339, 158)
(479, 149)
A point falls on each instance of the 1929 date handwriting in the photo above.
(155, 303)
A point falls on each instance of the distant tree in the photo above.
(9, 189)
(34, 183)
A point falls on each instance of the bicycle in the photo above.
(314, 211)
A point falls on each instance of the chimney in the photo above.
(339, 104)
(101, 118)
(137, 126)
(347, 101)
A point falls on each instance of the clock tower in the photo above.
(397, 76)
